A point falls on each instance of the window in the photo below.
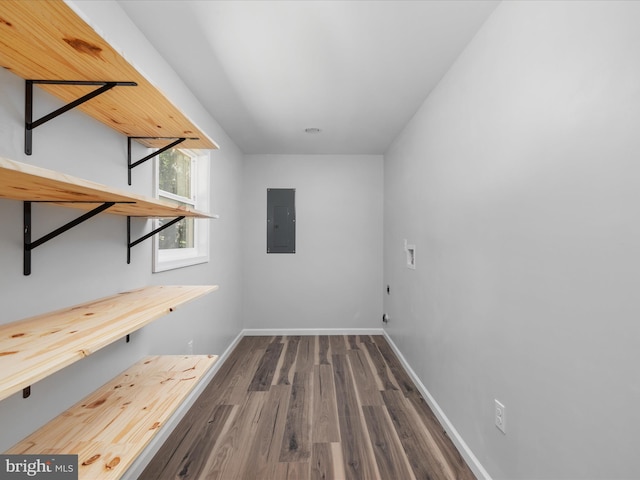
(182, 176)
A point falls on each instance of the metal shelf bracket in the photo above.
(131, 165)
(30, 124)
(131, 244)
(29, 245)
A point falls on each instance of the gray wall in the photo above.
(334, 280)
(517, 180)
(89, 261)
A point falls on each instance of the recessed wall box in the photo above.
(281, 220)
(411, 256)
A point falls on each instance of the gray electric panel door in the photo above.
(281, 220)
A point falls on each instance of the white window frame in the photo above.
(169, 259)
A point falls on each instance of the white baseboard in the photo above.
(141, 462)
(252, 332)
(463, 448)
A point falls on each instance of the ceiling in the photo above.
(267, 70)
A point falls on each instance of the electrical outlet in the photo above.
(411, 256)
(500, 416)
(190, 347)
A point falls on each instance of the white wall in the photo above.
(334, 280)
(89, 261)
(518, 182)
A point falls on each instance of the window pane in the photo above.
(175, 173)
(178, 235)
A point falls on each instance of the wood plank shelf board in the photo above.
(47, 40)
(111, 427)
(20, 181)
(33, 348)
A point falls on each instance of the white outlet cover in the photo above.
(411, 256)
(500, 415)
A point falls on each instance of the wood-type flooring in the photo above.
(309, 408)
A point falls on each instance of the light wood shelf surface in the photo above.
(109, 428)
(33, 348)
(47, 40)
(20, 181)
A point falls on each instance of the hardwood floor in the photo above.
(309, 408)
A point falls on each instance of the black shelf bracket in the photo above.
(30, 124)
(26, 392)
(132, 165)
(29, 245)
(131, 244)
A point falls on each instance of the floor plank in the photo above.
(338, 345)
(306, 354)
(363, 378)
(240, 364)
(444, 445)
(322, 462)
(230, 452)
(365, 339)
(284, 471)
(393, 363)
(289, 359)
(265, 447)
(324, 349)
(296, 442)
(234, 390)
(381, 367)
(192, 460)
(298, 471)
(325, 413)
(425, 460)
(389, 454)
(261, 381)
(358, 462)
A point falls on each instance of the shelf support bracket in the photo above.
(30, 124)
(131, 165)
(29, 245)
(26, 392)
(131, 244)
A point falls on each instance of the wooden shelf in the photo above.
(36, 347)
(19, 181)
(47, 40)
(112, 426)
